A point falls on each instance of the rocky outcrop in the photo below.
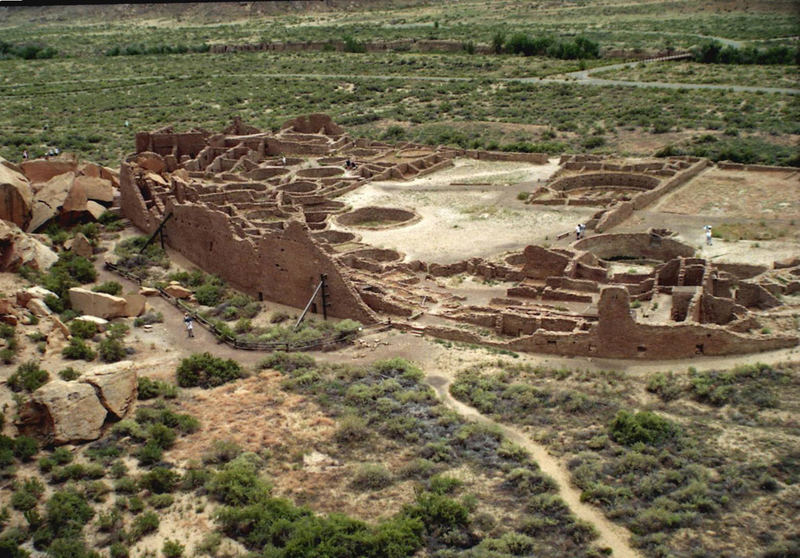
(18, 248)
(97, 304)
(115, 385)
(134, 304)
(63, 412)
(41, 170)
(16, 197)
(81, 246)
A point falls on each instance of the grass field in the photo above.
(690, 72)
(80, 99)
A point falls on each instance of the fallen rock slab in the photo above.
(116, 386)
(82, 246)
(18, 248)
(62, 412)
(38, 308)
(177, 291)
(135, 304)
(36, 291)
(97, 304)
(96, 188)
(148, 291)
(40, 170)
(16, 197)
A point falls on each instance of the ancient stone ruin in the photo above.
(261, 210)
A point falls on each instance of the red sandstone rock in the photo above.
(18, 248)
(40, 170)
(151, 161)
(96, 188)
(177, 291)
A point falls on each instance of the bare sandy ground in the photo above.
(480, 219)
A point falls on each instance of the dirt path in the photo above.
(609, 535)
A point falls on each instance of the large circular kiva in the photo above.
(372, 217)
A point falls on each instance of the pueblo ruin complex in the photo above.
(269, 212)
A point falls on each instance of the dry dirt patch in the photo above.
(738, 194)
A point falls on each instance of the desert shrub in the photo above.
(160, 480)
(209, 294)
(195, 478)
(109, 287)
(27, 495)
(417, 469)
(25, 448)
(68, 374)
(172, 549)
(54, 303)
(111, 349)
(28, 377)
(96, 490)
(437, 512)
(126, 485)
(530, 482)
(150, 454)
(666, 386)
(83, 329)
(149, 389)
(143, 524)
(279, 317)
(352, 428)
(78, 349)
(371, 476)
(207, 371)
(287, 362)
(67, 512)
(442, 484)
(645, 427)
(238, 483)
(222, 451)
(118, 550)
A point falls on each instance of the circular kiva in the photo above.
(605, 181)
(320, 172)
(336, 237)
(378, 254)
(372, 217)
(633, 246)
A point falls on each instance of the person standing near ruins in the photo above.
(707, 228)
(578, 231)
(187, 319)
(24, 154)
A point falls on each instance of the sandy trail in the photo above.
(609, 535)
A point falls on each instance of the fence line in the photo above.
(245, 345)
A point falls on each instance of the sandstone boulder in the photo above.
(95, 209)
(50, 198)
(63, 412)
(36, 291)
(41, 170)
(76, 199)
(97, 304)
(786, 262)
(151, 161)
(18, 248)
(148, 291)
(59, 328)
(38, 308)
(82, 246)
(135, 304)
(177, 291)
(116, 386)
(96, 188)
(16, 197)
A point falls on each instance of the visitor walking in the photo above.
(24, 154)
(707, 228)
(187, 319)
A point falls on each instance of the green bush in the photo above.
(78, 349)
(287, 362)
(160, 480)
(149, 389)
(238, 483)
(645, 427)
(118, 549)
(207, 371)
(437, 512)
(372, 476)
(352, 428)
(150, 454)
(666, 386)
(83, 329)
(111, 350)
(28, 377)
(68, 374)
(148, 318)
(209, 294)
(109, 287)
(27, 496)
(172, 549)
(143, 524)
(25, 448)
